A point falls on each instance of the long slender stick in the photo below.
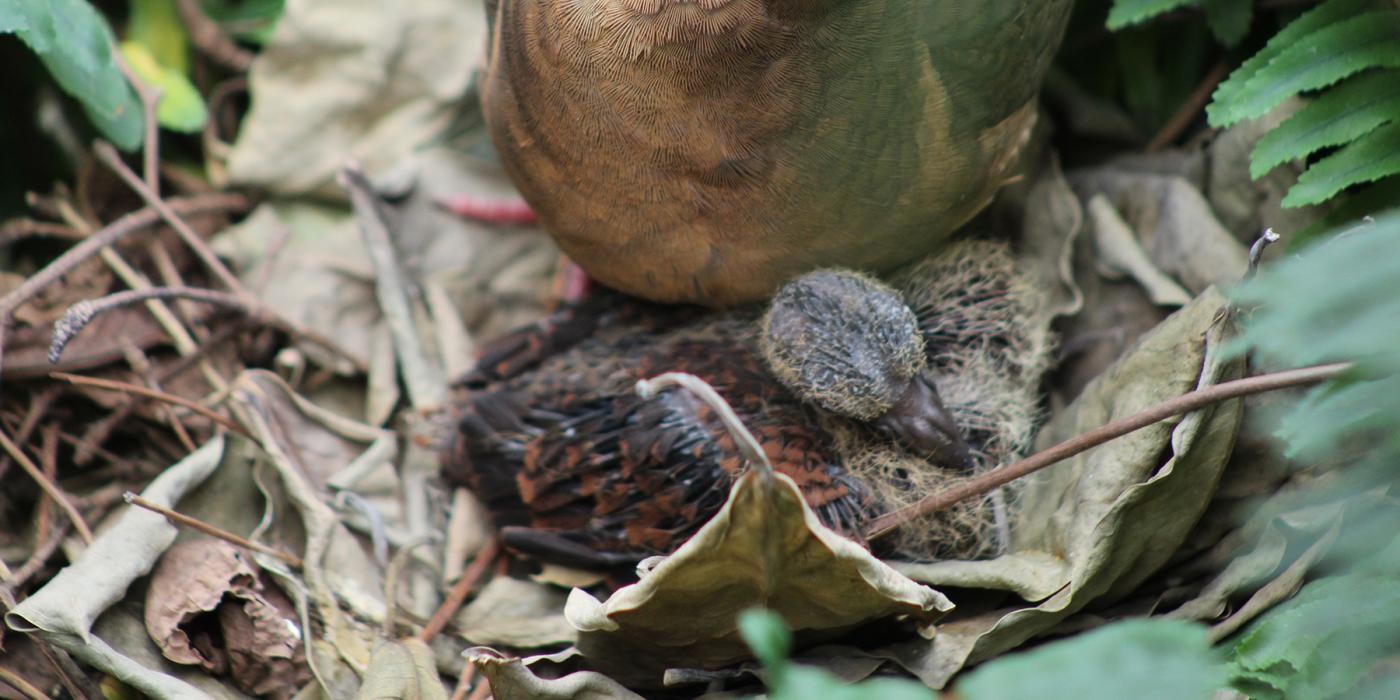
(147, 392)
(195, 524)
(1185, 403)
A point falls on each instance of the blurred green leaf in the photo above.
(1136, 659)
(765, 633)
(248, 20)
(76, 46)
(1323, 641)
(156, 25)
(1128, 12)
(1341, 115)
(1229, 19)
(181, 107)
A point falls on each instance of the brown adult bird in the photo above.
(708, 150)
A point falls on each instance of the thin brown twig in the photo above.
(996, 478)
(110, 235)
(24, 687)
(210, 39)
(107, 153)
(48, 459)
(196, 524)
(1187, 112)
(50, 488)
(37, 558)
(39, 403)
(460, 591)
(138, 390)
(150, 97)
(16, 229)
(482, 690)
(464, 681)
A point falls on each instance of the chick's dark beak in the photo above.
(921, 422)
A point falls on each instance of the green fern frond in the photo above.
(1367, 159)
(1343, 54)
(1126, 13)
(1323, 15)
(1339, 116)
(1317, 60)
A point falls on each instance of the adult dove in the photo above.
(706, 151)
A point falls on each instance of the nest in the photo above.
(987, 332)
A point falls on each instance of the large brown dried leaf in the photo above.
(764, 548)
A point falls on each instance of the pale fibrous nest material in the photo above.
(843, 341)
(987, 333)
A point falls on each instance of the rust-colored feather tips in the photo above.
(843, 341)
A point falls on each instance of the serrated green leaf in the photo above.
(75, 44)
(1229, 19)
(1138, 659)
(181, 106)
(1323, 641)
(1129, 12)
(1369, 158)
(1370, 200)
(768, 637)
(1328, 13)
(1315, 61)
(1338, 116)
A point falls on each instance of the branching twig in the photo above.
(109, 156)
(196, 524)
(209, 38)
(1185, 403)
(149, 393)
(49, 488)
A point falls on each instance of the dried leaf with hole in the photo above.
(764, 548)
(208, 604)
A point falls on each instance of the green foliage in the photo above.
(248, 20)
(1228, 19)
(1326, 639)
(1343, 53)
(75, 44)
(770, 641)
(1338, 301)
(158, 50)
(1138, 659)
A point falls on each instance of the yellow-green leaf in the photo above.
(181, 106)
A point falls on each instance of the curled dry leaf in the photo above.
(208, 604)
(511, 680)
(764, 548)
(1091, 529)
